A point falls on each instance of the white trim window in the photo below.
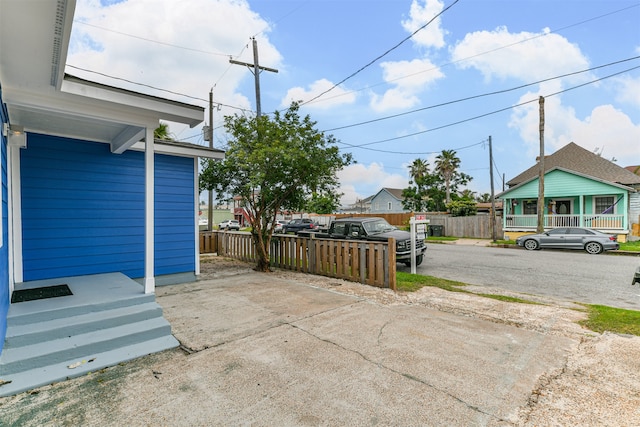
(604, 205)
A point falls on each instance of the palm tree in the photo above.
(418, 169)
(447, 164)
(162, 132)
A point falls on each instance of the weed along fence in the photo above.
(371, 263)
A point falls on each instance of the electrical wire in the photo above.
(479, 96)
(365, 145)
(383, 55)
(151, 40)
(156, 88)
(476, 55)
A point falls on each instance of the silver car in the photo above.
(592, 241)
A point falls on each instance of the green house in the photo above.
(581, 189)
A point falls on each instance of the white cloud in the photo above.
(336, 97)
(629, 90)
(606, 128)
(179, 46)
(369, 179)
(409, 78)
(525, 56)
(420, 13)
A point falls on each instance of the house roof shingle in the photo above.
(575, 158)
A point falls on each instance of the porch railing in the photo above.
(605, 222)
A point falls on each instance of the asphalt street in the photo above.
(569, 275)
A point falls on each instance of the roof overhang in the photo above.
(40, 97)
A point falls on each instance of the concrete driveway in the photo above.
(259, 351)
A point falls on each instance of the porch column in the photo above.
(149, 255)
(581, 210)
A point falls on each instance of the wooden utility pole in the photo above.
(210, 135)
(540, 209)
(255, 69)
(493, 201)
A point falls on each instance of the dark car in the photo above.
(299, 224)
(378, 229)
(592, 241)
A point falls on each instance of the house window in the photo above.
(604, 205)
(389, 206)
(529, 207)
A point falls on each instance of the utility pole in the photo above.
(540, 209)
(210, 134)
(255, 69)
(493, 201)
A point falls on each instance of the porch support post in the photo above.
(149, 190)
(581, 210)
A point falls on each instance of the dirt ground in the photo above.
(599, 385)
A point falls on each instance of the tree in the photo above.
(162, 132)
(323, 204)
(416, 197)
(274, 164)
(447, 164)
(484, 198)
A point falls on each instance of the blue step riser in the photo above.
(46, 316)
(73, 328)
(84, 352)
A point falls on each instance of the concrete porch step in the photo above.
(82, 346)
(34, 378)
(107, 319)
(25, 334)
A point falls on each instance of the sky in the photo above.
(391, 80)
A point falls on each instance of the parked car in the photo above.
(377, 229)
(299, 224)
(279, 225)
(230, 224)
(592, 241)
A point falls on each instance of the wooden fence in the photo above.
(371, 263)
(477, 226)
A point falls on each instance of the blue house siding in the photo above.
(83, 210)
(4, 252)
(175, 215)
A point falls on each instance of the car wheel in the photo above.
(530, 245)
(419, 259)
(593, 248)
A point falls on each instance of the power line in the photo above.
(364, 146)
(383, 55)
(479, 96)
(478, 54)
(150, 40)
(155, 88)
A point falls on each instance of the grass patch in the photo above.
(441, 239)
(507, 298)
(630, 246)
(617, 320)
(408, 282)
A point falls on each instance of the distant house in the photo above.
(580, 189)
(388, 200)
(361, 206)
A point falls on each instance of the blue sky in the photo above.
(399, 97)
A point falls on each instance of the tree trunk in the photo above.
(262, 243)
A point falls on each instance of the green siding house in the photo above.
(581, 189)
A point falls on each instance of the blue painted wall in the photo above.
(83, 210)
(4, 253)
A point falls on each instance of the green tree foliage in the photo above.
(162, 132)
(428, 189)
(323, 204)
(462, 207)
(447, 164)
(274, 164)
